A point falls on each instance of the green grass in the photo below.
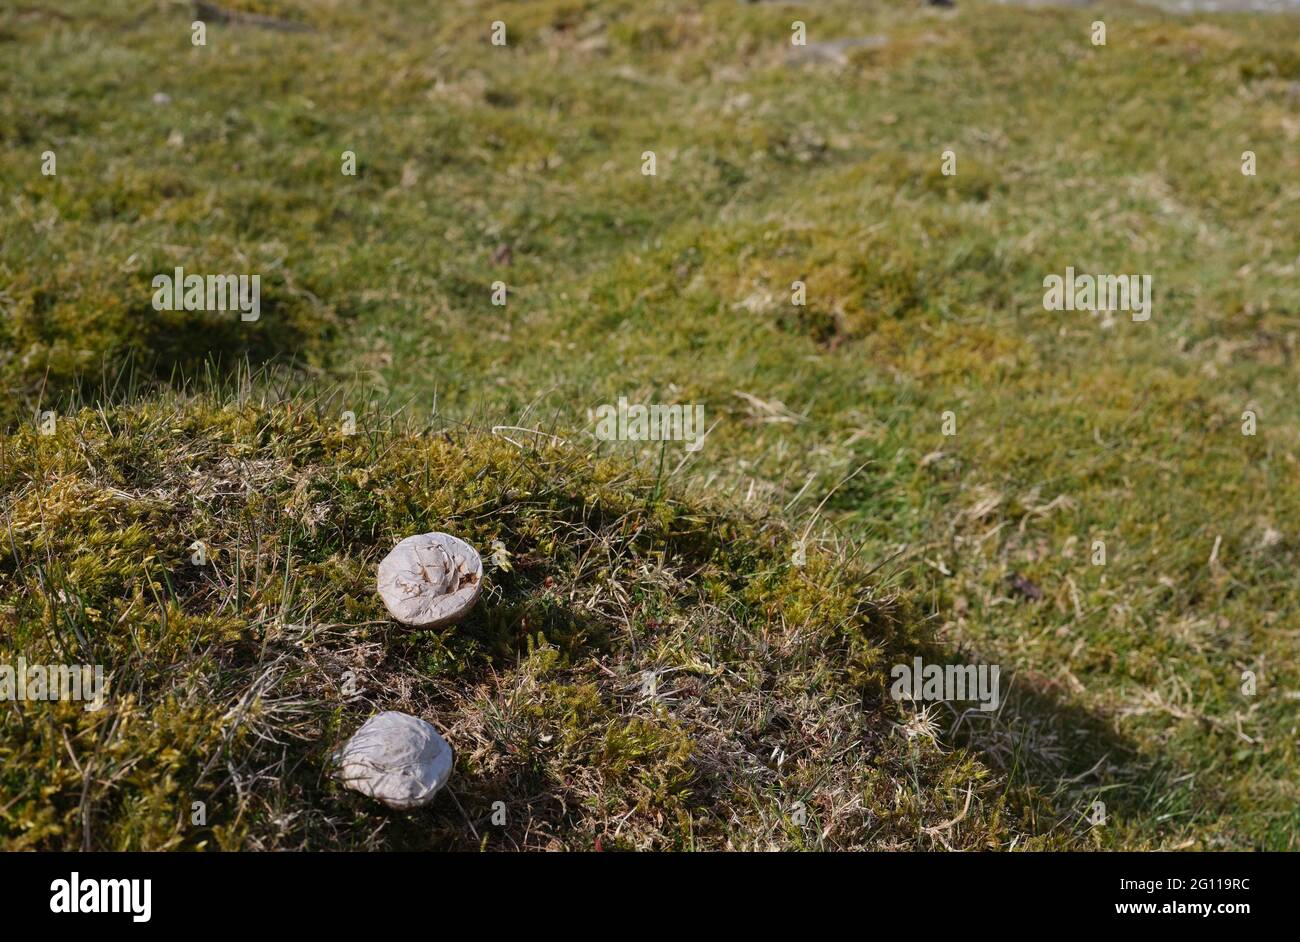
(924, 296)
(643, 672)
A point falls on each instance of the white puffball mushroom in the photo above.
(430, 580)
(396, 758)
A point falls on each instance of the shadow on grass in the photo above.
(1095, 780)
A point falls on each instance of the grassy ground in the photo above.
(523, 164)
(643, 673)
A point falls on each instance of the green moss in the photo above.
(237, 665)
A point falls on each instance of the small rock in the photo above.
(162, 98)
(396, 758)
(430, 580)
(834, 50)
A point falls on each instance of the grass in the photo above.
(644, 673)
(924, 297)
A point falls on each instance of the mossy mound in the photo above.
(642, 671)
(71, 332)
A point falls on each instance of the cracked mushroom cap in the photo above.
(430, 580)
(396, 758)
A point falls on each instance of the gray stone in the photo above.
(834, 50)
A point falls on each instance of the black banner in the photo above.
(330, 891)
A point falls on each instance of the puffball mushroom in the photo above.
(396, 758)
(430, 580)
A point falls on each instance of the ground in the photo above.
(654, 670)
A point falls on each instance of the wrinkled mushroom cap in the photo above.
(396, 758)
(430, 580)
